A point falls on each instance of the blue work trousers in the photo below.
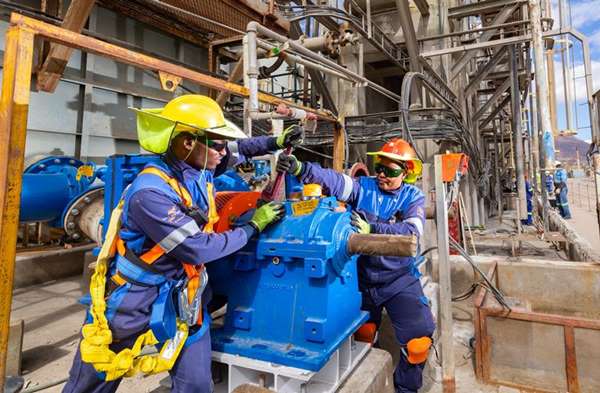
(190, 374)
(411, 317)
(563, 202)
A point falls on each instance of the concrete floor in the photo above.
(53, 318)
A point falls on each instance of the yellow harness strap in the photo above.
(97, 336)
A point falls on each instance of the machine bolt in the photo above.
(75, 212)
(56, 161)
(71, 225)
(275, 260)
(76, 236)
(71, 162)
(86, 200)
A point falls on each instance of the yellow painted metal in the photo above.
(14, 106)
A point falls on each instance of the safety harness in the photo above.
(165, 326)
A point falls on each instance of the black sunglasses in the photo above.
(389, 172)
(218, 146)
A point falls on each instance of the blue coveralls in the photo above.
(390, 282)
(151, 214)
(529, 194)
(560, 182)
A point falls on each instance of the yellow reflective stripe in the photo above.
(185, 196)
(213, 215)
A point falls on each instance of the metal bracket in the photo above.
(168, 82)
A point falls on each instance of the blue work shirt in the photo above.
(153, 215)
(560, 176)
(398, 212)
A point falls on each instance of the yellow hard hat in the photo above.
(193, 113)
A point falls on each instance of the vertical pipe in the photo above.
(535, 151)
(551, 89)
(594, 122)
(474, 201)
(497, 170)
(515, 96)
(252, 76)
(567, 80)
(541, 84)
(14, 107)
(448, 381)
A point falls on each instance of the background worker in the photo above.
(191, 133)
(561, 191)
(389, 204)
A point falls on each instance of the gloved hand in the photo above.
(291, 136)
(288, 163)
(266, 215)
(359, 223)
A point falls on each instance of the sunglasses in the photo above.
(389, 172)
(217, 146)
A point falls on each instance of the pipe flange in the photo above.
(81, 219)
(43, 165)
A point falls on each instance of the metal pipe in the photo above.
(319, 59)
(291, 59)
(541, 83)
(517, 134)
(382, 245)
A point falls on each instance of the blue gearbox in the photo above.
(292, 294)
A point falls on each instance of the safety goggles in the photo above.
(217, 146)
(389, 172)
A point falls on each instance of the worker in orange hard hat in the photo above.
(387, 203)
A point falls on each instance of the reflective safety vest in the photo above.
(166, 326)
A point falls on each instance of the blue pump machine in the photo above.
(293, 292)
(48, 186)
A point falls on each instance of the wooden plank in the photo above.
(339, 147)
(571, 360)
(58, 57)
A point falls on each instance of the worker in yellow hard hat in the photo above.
(149, 287)
(387, 203)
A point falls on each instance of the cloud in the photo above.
(578, 87)
(583, 13)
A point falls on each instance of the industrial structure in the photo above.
(470, 85)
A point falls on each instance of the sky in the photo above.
(584, 17)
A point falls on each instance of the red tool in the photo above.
(270, 192)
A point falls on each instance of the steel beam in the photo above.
(500, 18)
(423, 7)
(478, 8)
(501, 89)
(495, 112)
(91, 45)
(410, 36)
(55, 63)
(481, 74)
(448, 365)
(14, 107)
(517, 135)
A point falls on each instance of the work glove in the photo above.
(288, 163)
(267, 215)
(359, 223)
(290, 137)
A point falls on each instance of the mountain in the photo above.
(566, 149)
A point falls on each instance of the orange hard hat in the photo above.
(401, 151)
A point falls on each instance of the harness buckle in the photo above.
(189, 311)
